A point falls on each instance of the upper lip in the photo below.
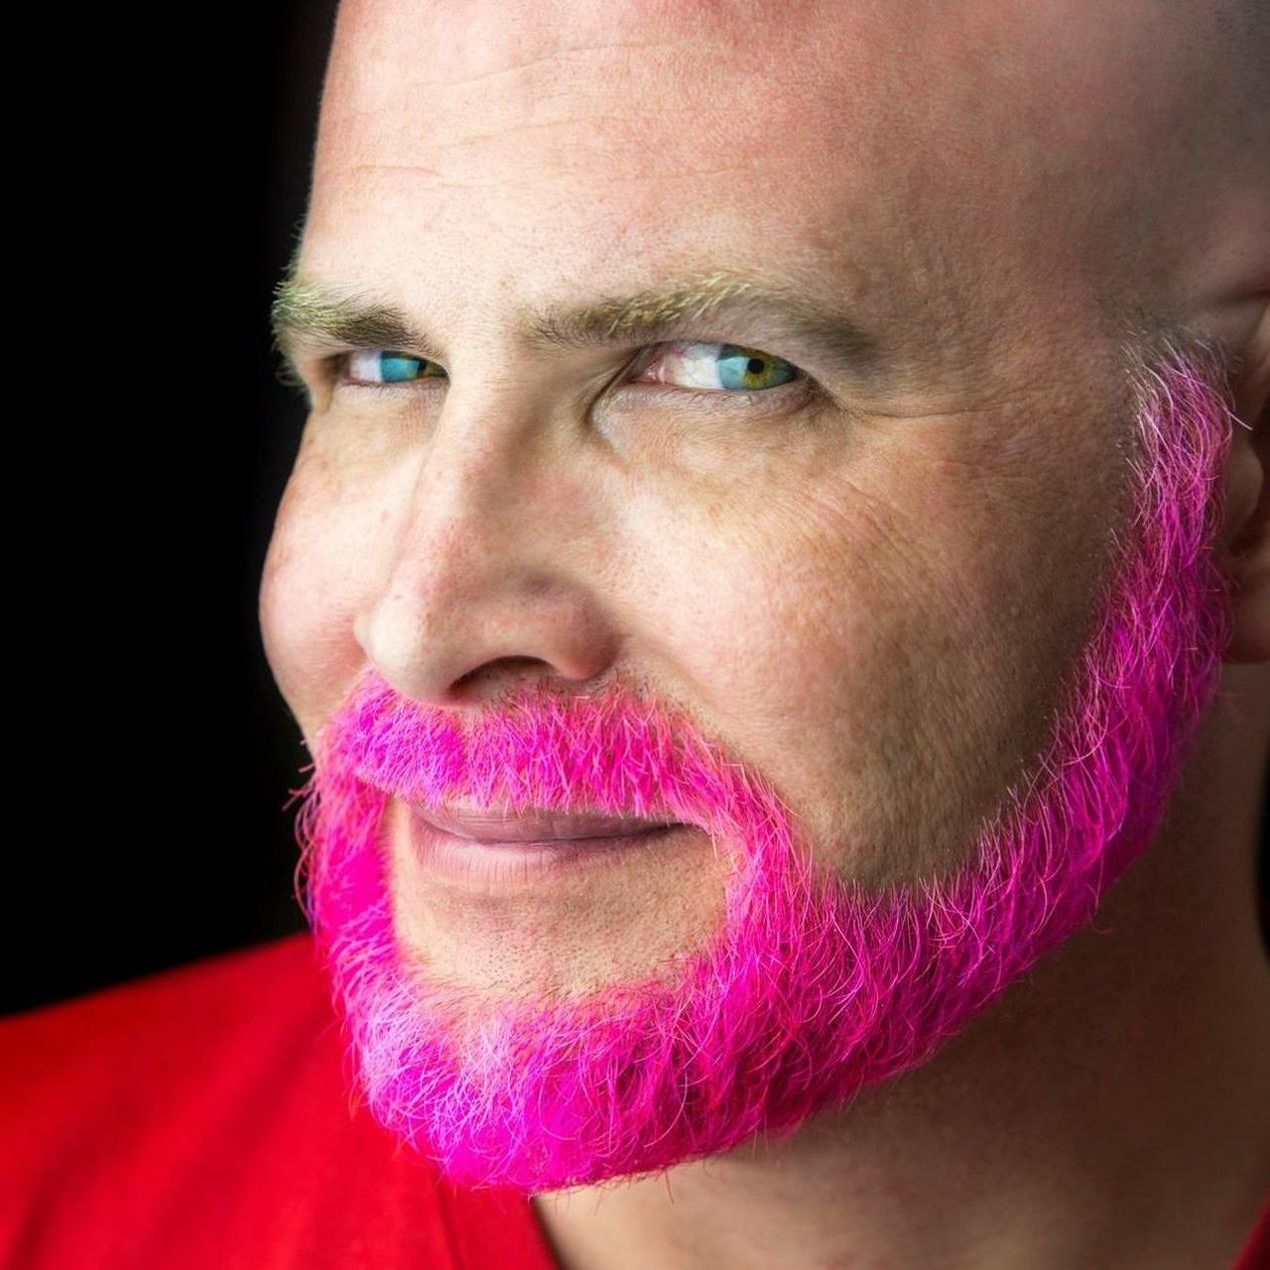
(532, 825)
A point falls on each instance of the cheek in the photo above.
(799, 632)
(313, 584)
(888, 647)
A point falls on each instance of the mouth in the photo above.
(506, 851)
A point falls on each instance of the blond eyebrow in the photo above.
(311, 314)
(305, 314)
(779, 310)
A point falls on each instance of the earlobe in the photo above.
(1248, 501)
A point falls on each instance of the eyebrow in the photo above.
(312, 315)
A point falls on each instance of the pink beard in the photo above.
(814, 988)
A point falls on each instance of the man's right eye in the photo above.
(377, 367)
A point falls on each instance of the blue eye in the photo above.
(384, 366)
(702, 365)
(752, 368)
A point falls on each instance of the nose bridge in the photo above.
(483, 489)
(480, 564)
(469, 488)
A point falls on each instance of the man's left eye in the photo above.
(722, 367)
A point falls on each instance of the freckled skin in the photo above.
(875, 599)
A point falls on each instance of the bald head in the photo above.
(948, 155)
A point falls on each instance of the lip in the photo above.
(509, 864)
(540, 827)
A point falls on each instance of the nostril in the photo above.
(502, 674)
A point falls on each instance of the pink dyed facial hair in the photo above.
(814, 987)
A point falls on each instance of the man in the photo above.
(776, 585)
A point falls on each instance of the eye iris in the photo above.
(751, 368)
(395, 368)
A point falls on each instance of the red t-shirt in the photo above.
(199, 1118)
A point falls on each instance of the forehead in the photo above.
(914, 154)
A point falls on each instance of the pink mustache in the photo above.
(600, 754)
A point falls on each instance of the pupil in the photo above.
(754, 366)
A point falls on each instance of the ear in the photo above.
(1248, 498)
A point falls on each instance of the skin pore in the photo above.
(872, 592)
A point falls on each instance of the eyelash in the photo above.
(754, 398)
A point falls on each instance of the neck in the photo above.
(1110, 1109)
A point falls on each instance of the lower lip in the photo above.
(507, 865)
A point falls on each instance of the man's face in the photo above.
(869, 584)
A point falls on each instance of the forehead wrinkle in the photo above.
(564, 54)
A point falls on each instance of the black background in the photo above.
(153, 757)
(147, 818)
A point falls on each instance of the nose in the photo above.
(489, 575)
